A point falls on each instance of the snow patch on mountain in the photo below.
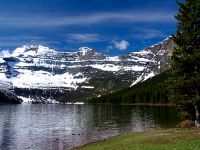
(150, 75)
(134, 68)
(77, 103)
(84, 50)
(143, 52)
(113, 58)
(143, 77)
(116, 68)
(33, 51)
(43, 79)
(2, 61)
(43, 100)
(140, 79)
(26, 99)
(106, 67)
(138, 59)
(87, 87)
(5, 83)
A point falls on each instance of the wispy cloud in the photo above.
(20, 37)
(119, 45)
(145, 34)
(145, 16)
(84, 38)
(19, 40)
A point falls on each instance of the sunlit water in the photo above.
(58, 127)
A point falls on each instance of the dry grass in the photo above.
(187, 124)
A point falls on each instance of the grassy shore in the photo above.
(169, 139)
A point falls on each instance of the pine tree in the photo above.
(185, 74)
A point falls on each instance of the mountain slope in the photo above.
(9, 97)
(150, 91)
(40, 73)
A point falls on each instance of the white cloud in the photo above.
(5, 53)
(120, 45)
(84, 38)
(46, 20)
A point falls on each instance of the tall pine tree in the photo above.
(185, 75)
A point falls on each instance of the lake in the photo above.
(58, 127)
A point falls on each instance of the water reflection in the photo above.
(48, 127)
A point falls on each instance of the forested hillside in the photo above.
(150, 91)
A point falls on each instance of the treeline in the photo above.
(7, 97)
(150, 91)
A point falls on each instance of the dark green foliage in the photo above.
(150, 91)
(7, 97)
(185, 75)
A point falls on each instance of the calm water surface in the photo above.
(58, 127)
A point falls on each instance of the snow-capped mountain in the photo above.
(40, 73)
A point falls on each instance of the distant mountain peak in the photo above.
(167, 44)
(85, 50)
(2, 60)
(31, 50)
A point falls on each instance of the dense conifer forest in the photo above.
(153, 90)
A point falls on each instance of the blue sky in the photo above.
(110, 26)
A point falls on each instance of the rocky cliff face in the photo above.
(43, 74)
(160, 59)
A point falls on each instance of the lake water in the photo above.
(58, 127)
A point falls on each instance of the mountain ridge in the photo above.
(39, 72)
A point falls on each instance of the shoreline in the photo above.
(82, 103)
(135, 104)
